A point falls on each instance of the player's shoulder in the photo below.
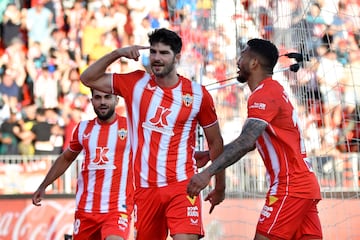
(268, 86)
(135, 75)
(120, 118)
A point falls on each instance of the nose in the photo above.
(102, 100)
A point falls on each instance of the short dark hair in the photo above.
(266, 50)
(167, 37)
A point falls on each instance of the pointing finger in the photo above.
(211, 208)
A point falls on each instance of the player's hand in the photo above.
(38, 196)
(197, 183)
(215, 197)
(202, 158)
(132, 52)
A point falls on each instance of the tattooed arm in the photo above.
(232, 153)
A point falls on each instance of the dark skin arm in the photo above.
(202, 158)
(232, 153)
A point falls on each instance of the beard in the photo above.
(167, 69)
(106, 116)
(243, 77)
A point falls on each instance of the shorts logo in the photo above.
(191, 200)
(194, 221)
(272, 200)
(193, 213)
(265, 213)
(123, 222)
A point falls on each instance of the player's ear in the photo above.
(177, 58)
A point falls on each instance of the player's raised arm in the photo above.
(95, 75)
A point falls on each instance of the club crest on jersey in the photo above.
(122, 133)
(187, 99)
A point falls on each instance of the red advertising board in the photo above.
(21, 220)
(234, 219)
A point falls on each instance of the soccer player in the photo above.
(164, 109)
(290, 210)
(104, 196)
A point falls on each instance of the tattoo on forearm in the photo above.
(235, 150)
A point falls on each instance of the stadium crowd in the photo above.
(46, 44)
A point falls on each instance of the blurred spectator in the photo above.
(46, 86)
(342, 52)
(8, 139)
(352, 84)
(39, 23)
(315, 25)
(91, 35)
(41, 134)
(72, 118)
(9, 89)
(54, 118)
(330, 74)
(26, 146)
(12, 26)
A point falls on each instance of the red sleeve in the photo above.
(124, 83)
(75, 145)
(207, 115)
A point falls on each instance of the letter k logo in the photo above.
(160, 117)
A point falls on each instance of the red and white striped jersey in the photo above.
(162, 126)
(281, 146)
(106, 180)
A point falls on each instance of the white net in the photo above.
(320, 71)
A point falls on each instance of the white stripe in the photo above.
(106, 188)
(160, 167)
(92, 174)
(165, 140)
(183, 147)
(137, 94)
(124, 176)
(274, 162)
(80, 181)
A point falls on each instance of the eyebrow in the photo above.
(161, 51)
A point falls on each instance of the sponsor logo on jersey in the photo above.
(159, 122)
(187, 99)
(101, 161)
(257, 105)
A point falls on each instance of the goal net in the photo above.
(319, 67)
